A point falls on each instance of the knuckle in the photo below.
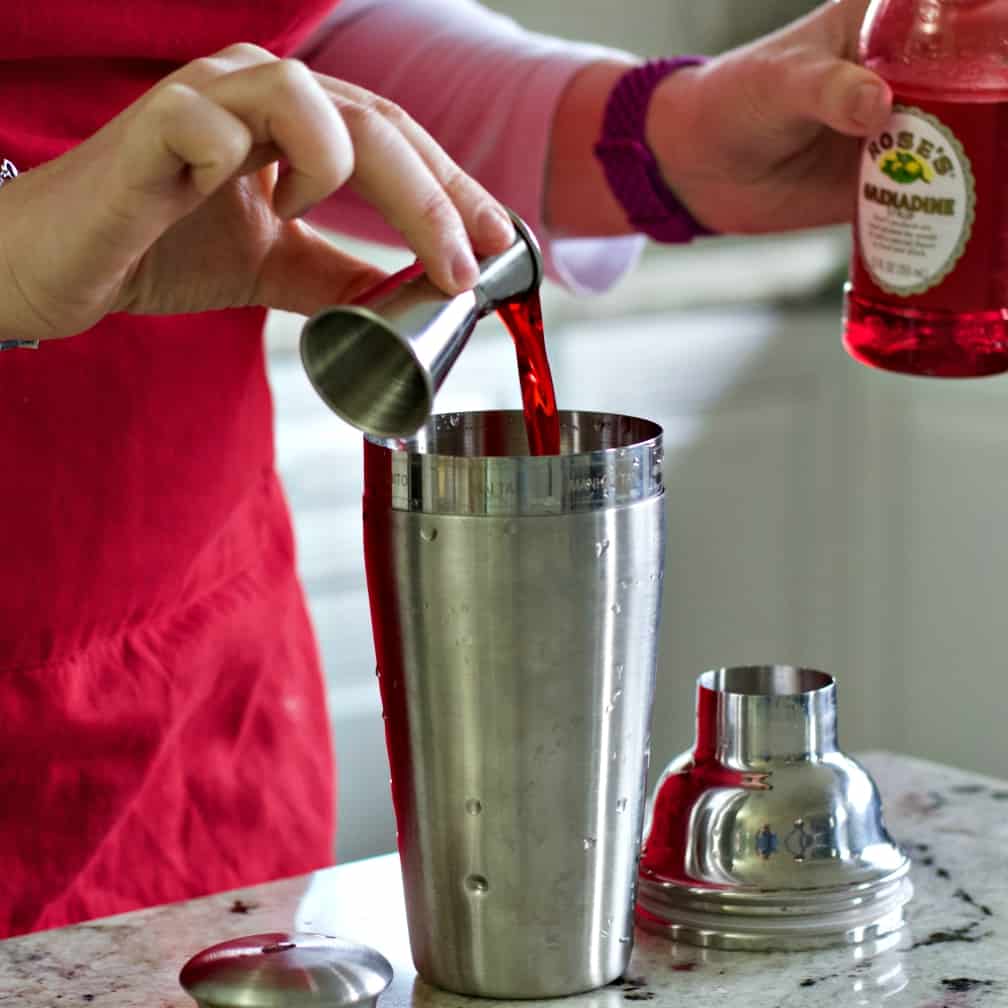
(206, 68)
(243, 52)
(455, 180)
(390, 111)
(292, 77)
(438, 212)
(170, 100)
(364, 119)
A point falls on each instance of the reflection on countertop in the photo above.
(954, 952)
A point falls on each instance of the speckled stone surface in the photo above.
(954, 953)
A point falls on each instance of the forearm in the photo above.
(489, 92)
(578, 199)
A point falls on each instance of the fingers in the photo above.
(232, 113)
(794, 91)
(190, 131)
(486, 220)
(304, 272)
(813, 63)
(392, 176)
(846, 97)
(160, 169)
(442, 213)
(282, 104)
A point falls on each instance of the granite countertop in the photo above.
(953, 955)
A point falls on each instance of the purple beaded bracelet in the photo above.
(631, 168)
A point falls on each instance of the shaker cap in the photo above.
(291, 970)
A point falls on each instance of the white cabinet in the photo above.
(942, 630)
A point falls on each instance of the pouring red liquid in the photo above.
(523, 318)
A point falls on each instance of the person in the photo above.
(164, 727)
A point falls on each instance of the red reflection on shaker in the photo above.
(928, 287)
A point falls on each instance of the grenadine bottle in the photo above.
(928, 286)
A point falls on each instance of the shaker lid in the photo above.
(291, 970)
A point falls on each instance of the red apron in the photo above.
(163, 727)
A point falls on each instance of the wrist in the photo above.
(578, 201)
(669, 125)
(626, 153)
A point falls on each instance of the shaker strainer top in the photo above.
(765, 836)
(280, 970)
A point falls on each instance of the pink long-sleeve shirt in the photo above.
(487, 90)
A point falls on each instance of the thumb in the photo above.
(304, 273)
(841, 95)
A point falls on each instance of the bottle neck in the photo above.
(952, 49)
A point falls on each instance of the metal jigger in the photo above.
(379, 363)
(765, 836)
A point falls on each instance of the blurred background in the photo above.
(819, 513)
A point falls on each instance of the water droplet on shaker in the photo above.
(589, 843)
(617, 608)
(636, 462)
(428, 534)
(611, 706)
(474, 806)
(621, 805)
(601, 547)
(477, 883)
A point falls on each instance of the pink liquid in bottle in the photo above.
(928, 288)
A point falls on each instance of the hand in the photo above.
(176, 205)
(765, 138)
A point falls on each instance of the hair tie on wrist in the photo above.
(630, 166)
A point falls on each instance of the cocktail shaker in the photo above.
(515, 603)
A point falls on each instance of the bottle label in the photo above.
(916, 202)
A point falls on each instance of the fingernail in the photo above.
(464, 270)
(494, 224)
(864, 105)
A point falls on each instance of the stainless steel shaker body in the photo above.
(515, 605)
